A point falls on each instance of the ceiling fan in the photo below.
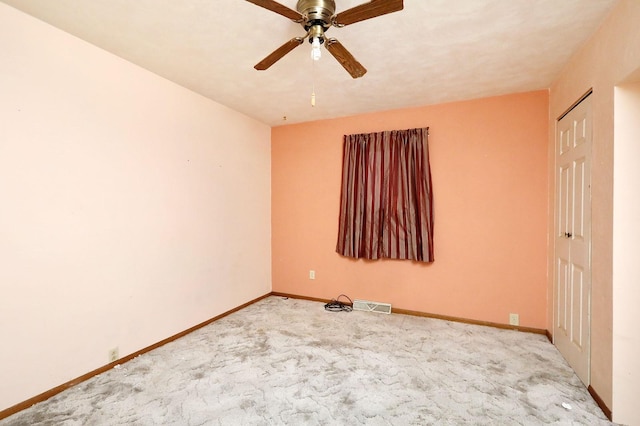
(316, 17)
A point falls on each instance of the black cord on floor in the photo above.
(336, 306)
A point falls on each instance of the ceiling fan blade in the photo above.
(276, 7)
(367, 11)
(345, 58)
(277, 54)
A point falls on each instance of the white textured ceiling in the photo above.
(433, 51)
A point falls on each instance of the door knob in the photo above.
(568, 234)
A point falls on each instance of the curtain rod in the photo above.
(397, 130)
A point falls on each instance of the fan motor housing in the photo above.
(317, 12)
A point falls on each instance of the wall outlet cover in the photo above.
(113, 355)
(514, 319)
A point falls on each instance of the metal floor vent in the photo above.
(367, 305)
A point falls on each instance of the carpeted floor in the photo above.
(284, 361)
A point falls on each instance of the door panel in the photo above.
(577, 288)
(579, 194)
(564, 192)
(561, 298)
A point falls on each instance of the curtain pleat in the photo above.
(386, 207)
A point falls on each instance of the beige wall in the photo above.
(489, 169)
(606, 60)
(131, 208)
(626, 239)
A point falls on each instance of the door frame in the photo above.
(555, 230)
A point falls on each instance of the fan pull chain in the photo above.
(313, 83)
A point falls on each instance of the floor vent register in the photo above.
(367, 305)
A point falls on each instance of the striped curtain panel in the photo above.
(386, 207)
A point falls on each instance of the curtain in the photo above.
(386, 206)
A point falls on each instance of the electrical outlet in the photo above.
(312, 274)
(113, 355)
(514, 319)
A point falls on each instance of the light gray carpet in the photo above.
(284, 361)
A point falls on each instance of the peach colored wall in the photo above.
(606, 60)
(132, 208)
(488, 160)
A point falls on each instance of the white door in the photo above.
(572, 296)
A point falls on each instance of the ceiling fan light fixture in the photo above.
(316, 54)
(316, 17)
(316, 38)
